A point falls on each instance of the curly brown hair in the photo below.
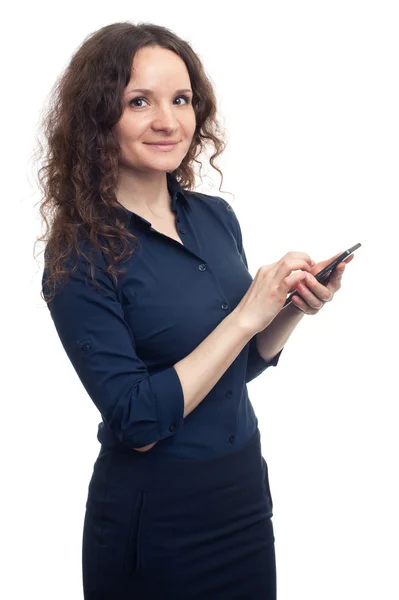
(80, 171)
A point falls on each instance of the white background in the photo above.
(308, 92)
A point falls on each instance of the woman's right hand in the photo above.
(145, 448)
(268, 291)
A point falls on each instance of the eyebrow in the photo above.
(150, 92)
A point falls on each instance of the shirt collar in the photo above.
(174, 190)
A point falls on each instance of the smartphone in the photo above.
(324, 275)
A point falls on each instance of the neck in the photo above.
(144, 193)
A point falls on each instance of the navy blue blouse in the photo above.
(124, 341)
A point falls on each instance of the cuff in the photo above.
(169, 401)
(256, 363)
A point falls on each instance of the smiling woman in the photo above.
(179, 503)
(155, 131)
(108, 139)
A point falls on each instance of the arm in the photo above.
(200, 370)
(197, 371)
(262, 352)
(273, 338)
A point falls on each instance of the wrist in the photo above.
(294, 310)
(244, 324)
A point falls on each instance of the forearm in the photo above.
(200, 370)
(274, 337)
(203, 367)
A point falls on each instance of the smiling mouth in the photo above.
(164, 147)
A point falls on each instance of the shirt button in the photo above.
(86, 347)
(172, 427)
(232, 438)
(229, 394)
(202, 267)
(224, 306)
(182, 231)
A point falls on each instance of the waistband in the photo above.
(154, 471)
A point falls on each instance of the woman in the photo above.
(179, 504)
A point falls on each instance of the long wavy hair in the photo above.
(81, 155)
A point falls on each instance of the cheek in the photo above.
(131, 126)
(129, 138)
(130, 135)
(189, 125)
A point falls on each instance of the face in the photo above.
(165, 114)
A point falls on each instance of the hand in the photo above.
(267, 293)
(314, 295)
(145, 448)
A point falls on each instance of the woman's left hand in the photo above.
(314, 295)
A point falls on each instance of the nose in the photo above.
(165, 118)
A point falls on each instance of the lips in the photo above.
(164, 147)
(162, 143)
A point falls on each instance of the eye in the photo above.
(186, 98)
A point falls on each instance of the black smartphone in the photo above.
(324, 275)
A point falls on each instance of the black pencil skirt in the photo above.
(157, 528)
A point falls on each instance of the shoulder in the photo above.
(82, 252)
(82, 263)
(216, 201)
(220, 211)
(216, 204)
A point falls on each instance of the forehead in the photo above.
(154, 66)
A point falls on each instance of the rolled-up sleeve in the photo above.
(138, 408)
(255, 364)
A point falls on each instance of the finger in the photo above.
(338, 271)
(287, 267)
(301, 305)
(334, 282)
(322, 292)
(309, 297)
(324, 263)
(303, 255)
(347, 260)
(292, 280)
